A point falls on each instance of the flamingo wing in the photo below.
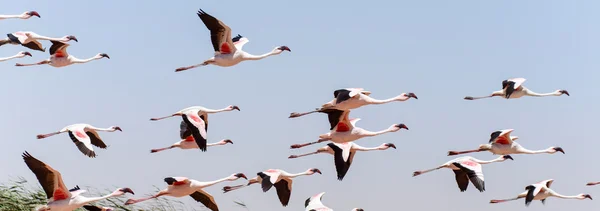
(197, 127)
(314, 202)
(176, 180)
(269, 178)
(95, 139)
(82, 141)
(342, 95)
(501, 137)
(340, 160)
(76, 191)
(284, 190)
(50, 179)
(474, 172)
(239, 41)
(183, 130)
(220, 34)
(532, 191)
(206, 199)
(344, 123)
(34, 45)
(462, 180)
(92, 208)
(59, 49)
(334, 117)
(517, 82)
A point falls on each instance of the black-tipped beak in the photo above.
(73, 38)
(236, 108)
(317, 171)
(402, 126)
(413, 95)
(565, 92)
(27, 53)
(285, 48)
(240, 175)
(228, 141)
(105, 55)
(559, 149)
(118, 128)
(588, 196)
(127, 190)
(34, 13)
(508, 157)
(391, 145)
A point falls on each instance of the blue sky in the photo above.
(441, 50)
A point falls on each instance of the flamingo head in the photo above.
(33, 13)
(284, 48)
(358, 209)
(122, 191)
(397, 127)
(314, 170)
(226, 141)
(115, 128)
(556, 149)
(585, 196)
(103, 55)
(389, 145)
(564, 92)
(506, 157)
(25, 53)
(69, 38)
(406, 96)
(233, 107)
(240, 175)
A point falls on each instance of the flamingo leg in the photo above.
(450, 153)
(296, 146)
(39, 63)
(190, 67)
(160, 149)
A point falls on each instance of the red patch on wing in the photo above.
(179, 183)
(469, 163)
(59, 54)
(501, 140)
(271, 171)
(342, 127)
(59, 195)
(225, 49)
(190, 138)
(80, 134)
(195, 118)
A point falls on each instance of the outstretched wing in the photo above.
(206, 199)
(82, 141)
(197, 127)
(239, 41)
(461, 180)
(220, 34)
(95, 139)
(59, 49)
(284, 190)
(473, 171)
(50, 179)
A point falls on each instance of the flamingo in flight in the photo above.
(314, 204)
(30, 40)
(25, 15)
(345, 130)
(60, 58)
(97, 208)
(182, 186)
(59, 197)
(228, 50)
(541, 191)
(343, 154)
(281, 179)
(352, 98)
(190, 143)
(466, 168)
(195, 122)
(19, 55)
(513, 88)
(502, 143)
(84, 136)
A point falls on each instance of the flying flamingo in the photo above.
(182, 186)
(593, 183)
(25, 15)
(281, 179)
(346, 131)
(60, 58)
(84, 136)
(467, 168)
(30, 40)
(190, 143)
(513, 88)
(195, 122)
(97, 208)
(343, 154)
(502, 143)
(314, 203)
(541, 191)
(352, 98)
(228, 51)
(19, 55)
(59, 197)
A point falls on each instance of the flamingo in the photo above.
(228, 51)
(19, 55)
(467, 168)
(502, 143)
(60, 58)
(84, 136)
(592, 183)
(59, 197)
(343, 154)
(30, 40)
(195, 122)
(25, 15)
(281, 179)
(190, 143)
(541, 191)
(346, 131)
(513, 88)
(97, 208)
(352, 98)
(314, 204)
(182, 186)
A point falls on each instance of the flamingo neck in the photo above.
(248, 56)
(500, 159)
(9, 16)
(531, 93)
(209, 111)
(78, 61)
(527, 151)
(9, 58)
(371, 100)
(299, 174)
(211, 183)
(367, 133)
(558, 195)
(87, 200)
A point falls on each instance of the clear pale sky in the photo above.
(440, 50)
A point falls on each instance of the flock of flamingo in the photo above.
(342, 134)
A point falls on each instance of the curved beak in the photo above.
(506, 157)
(559, 149)
(228, 141)
(588, 196)
(241, 175)
(74, 38)
(317, 171)
(413, 95)
(27, 53)
(105, 55)
(391, 145)
(118, 128)
(402, 126)
(34, 13)
(127, 190)
(565, 92)
(284, 48)
(236, 108)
